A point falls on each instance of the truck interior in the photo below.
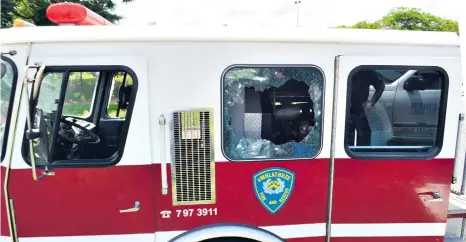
(287, 111)
(80, 115)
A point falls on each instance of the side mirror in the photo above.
(414, 83)
(40, 132)
(125, 94)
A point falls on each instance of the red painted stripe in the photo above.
(4, 229)
(314, 239)
(371, 239)
(457, 215)
(237, 202)
(367, 191)
(87, 201)
(390, 239)
(84, 201)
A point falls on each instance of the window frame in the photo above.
(14, 83)
(410, 155)
(89, 163)
(322, 117)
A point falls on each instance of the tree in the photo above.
(6, 9)
(403, 18)
(34, 10)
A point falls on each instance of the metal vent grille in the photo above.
(193, 168)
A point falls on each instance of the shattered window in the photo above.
(272, 113)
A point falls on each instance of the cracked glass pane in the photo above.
(272, 113)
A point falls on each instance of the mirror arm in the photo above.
(30, 133)
(29, 130)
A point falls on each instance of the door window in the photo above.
(71, 114)
(411, 122)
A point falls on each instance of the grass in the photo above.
(111, 111)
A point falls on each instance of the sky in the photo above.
(322, 13)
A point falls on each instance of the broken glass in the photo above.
(238, 143)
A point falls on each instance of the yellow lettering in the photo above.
(274, 174)
(273, 202)
(285, 195)
(262, 196)
(282, 175)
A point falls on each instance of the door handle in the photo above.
(136, 208)
(435, 197)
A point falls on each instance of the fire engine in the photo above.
(121, 133)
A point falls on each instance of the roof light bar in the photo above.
(66, 13)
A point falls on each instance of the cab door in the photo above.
(98, 190)
(396, 191)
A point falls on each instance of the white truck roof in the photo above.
(47, 34)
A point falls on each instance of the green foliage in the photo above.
(112, 109)
(76, 109)
(6, 13)
(364, 25)
(34, 10)
(403, 18)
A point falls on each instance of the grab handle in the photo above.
(136, 208)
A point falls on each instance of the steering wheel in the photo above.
(85, 136)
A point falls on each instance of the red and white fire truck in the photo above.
(122, 133)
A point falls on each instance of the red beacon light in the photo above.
(66, 13)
